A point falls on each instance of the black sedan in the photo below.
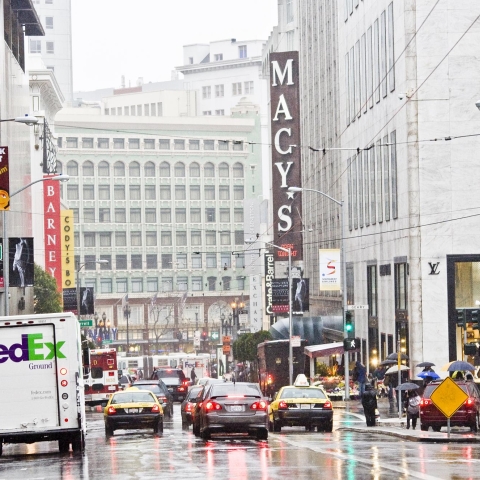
(161, 391)
(188, 405)
(234, 408)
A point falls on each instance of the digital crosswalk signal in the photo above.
(350, 344)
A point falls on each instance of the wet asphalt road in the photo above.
(293, 454)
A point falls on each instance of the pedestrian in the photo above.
(360, 376)
(369, 402)
(412, 405)
(193, 376)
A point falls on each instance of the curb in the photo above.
(424, 437)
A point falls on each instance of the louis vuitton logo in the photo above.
(434, 268)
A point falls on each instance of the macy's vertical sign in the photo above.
(52, 230)
(286, 152)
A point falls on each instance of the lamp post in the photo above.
(290, 317)
(95, 332)
(6, 252)
(126, 313)
(344, 275)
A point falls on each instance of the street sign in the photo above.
(296, 341)
(226, 349)
(107, 341)
(215, 335)
(357, 307)
(226, 339)
(448, 397)
(86, 323)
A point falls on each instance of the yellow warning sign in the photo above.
(448, 397)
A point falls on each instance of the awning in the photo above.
(28, 16)
(325, 350)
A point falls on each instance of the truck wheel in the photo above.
(78, 443)
(63, 445)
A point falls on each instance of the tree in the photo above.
(47, 298)
(245, 349)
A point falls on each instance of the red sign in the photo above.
(4, 180)
(52, 230)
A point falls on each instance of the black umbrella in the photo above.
(388, 362)
(426, 364)
(394, 356)
(407, 386)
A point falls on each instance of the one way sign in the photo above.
(350, 344)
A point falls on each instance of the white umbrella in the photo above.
(394, 369)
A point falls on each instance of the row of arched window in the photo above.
(149, 170)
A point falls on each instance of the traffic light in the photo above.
(475, 316)
(351, 344)
(461, 317)
(470, 349)
(204, 335)
(349, 326)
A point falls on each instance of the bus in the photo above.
(101, 376)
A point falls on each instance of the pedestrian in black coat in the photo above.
(369, 402)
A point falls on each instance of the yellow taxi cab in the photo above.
(133, 409)
(301, 405)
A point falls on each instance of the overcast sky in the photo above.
(144, 38)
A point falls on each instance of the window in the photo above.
(119, 192)
(165, 192)
(238, 193)
(209, 192)
(220, 112)
(210, 215)
(134, 169)
(179, 144)
(136, 239)
(182, 284)
(223, 144)
(393, 167)
(237, 169)
(89, 215)
(225, 238)
(180, 170)
(401, 286)
(209, 170)
(135, 192)
(152, 261)
(150, 192)
(90, 262)
(126, 111)
(132, 110)
(134, 143)
(104, 215)
(72, 142)
(225, 215)
(194, 145)
(75, 217)
(197, 284)
(180, 215)
(72, 192)
(211, 283)
(151, 239)
(153, 109)
(181, 239)
(219, 90)
(50, 47)
(105, 239)
(152, 284)
(135, 215)
(136, 261)
(218, 57)
(149, 169)
(59, 142)
(87, 142)
(211, 260)
(242, 51)
(139, 110)
(88, 192)
(35, 46)
(195, 215)
(165, 215)
(224, 192)
(180, 193)
(88, 239)
(137, 285)
(119, 169)
(106, 285)
(118, 143)
(88, 170)
(248, 88)
(167, 284)
(146, 109)
(211, 238)
(209, 144)
(103, 143)
(190, 60)
(150, 215)
(164, 144)
(240, 260)
(121, 239)
(206, 92)
(165, 170)
(196, 261)
(120, 215)
(290, 14)
(391, 51)
(240, 283)
(122, 284)
(166, 239)
(108, 264)
(196, 238)
(223, 170)
(194, 169)
(372, 290)
(149, 144)
(237, 88)
(194, 192)
(167, 260)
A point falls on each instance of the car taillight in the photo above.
(261, 405)
(211, 406)
(327, 405)
(186, 382)
(200, 404)
(425, 401)
(111, 411)
(155, 409)
(188, 407)
(162, 399)
(269, 379)
(181, 389)
(470, 402)
(282, 405)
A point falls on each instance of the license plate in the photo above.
(132, 410)
(236, 408)
(170, 389)
(305, 406)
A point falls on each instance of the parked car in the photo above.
(189, 404)
(175, 380)
(231, 407)
(466, 416)
(133, 409)
(161, 391)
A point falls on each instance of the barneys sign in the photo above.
(286, 153)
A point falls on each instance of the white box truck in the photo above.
(41, 377)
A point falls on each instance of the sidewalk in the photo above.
(389, 424)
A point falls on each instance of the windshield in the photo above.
(232, 389)
(167, 373)
(303, 393)
(151, 386)
(132, 397)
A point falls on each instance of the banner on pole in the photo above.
(330, 277)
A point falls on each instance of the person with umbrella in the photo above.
(369, 403)
(412, 405)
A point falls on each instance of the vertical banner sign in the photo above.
(68, 250)
(286, 153)
(256, 319)
(52, 230)
(280, 295)
(269, 276)
(21, 262)
(300, 295)
(330, 269)
(4, 180)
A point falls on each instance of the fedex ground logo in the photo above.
(31, 348)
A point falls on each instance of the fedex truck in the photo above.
(41, 375)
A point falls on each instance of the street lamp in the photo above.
(6, 252)
(344, 275)
(290, 318)
(126, 313)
